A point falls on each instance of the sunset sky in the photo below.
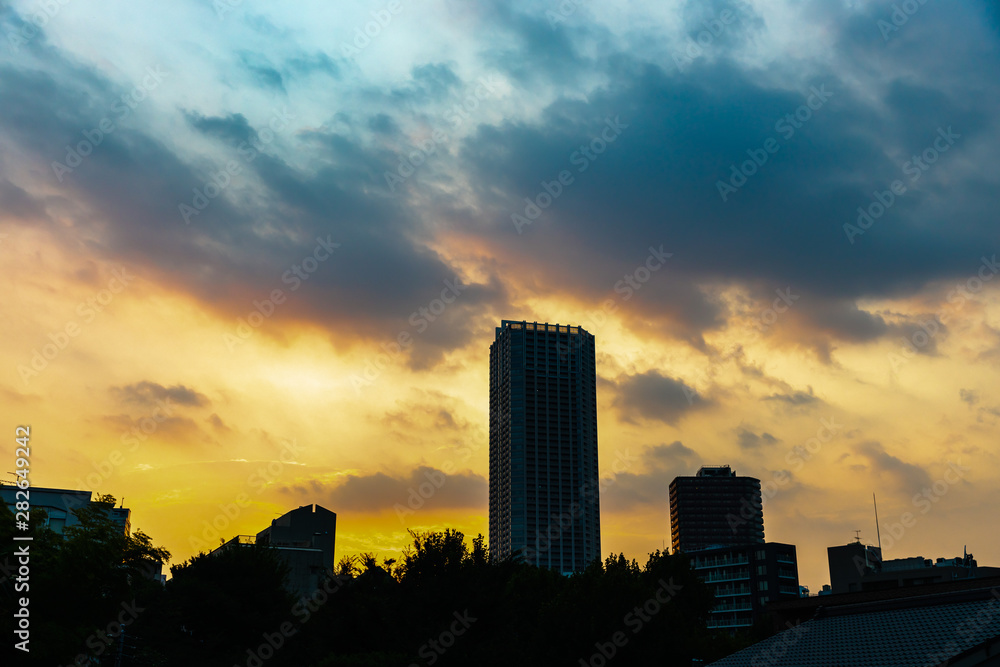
(254, 253)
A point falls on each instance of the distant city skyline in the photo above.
(254, 254)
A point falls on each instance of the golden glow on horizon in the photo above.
(288, 383)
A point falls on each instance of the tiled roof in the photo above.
(916, 632)
(800, 606)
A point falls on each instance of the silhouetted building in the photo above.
(717, 519)
(849, 562)
(305, 539)
(60, 506)
(544, 500)
(715, 508)
(859, 567)
(745, 579)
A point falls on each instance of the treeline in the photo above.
(443, 603)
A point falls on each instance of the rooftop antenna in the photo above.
(876, 526)
(857, 535)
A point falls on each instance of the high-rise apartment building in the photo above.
(717, 519)
(544, 500)
(715, 508)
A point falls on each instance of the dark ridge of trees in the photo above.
(443, 603)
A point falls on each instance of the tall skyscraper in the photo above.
(544, 499)
(715, 508)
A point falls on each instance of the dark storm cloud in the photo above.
(786, 224)
(381, 492)
(243, 244)
(147, 393)
(654, 396)
(679, 133)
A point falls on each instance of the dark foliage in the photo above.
(84, 587)
(444, 603)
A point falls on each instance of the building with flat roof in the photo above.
(305, 539)
(544, 497)
(59, 506)
(717, 518)
(715, 508)
(860, 567)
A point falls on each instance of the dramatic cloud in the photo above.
(653, 396)
(793, 214)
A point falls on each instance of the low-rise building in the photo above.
(304, 539)
(59, 506)
(860, 567)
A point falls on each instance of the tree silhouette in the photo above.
(82, 583)
(443, 603)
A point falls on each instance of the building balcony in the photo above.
(730, 622)
(740, 575)
(721, 609)
(706, 563)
